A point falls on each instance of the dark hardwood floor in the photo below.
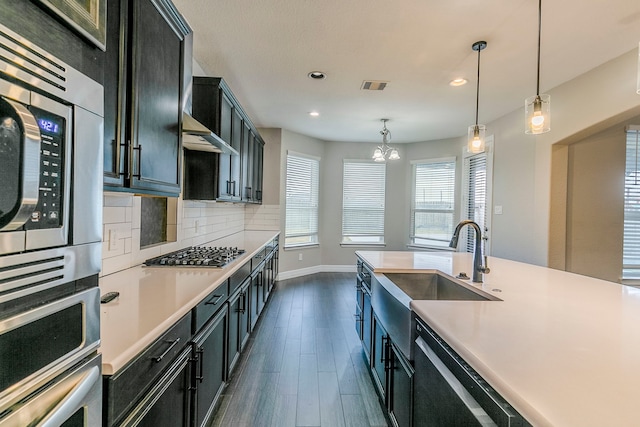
(304, 364)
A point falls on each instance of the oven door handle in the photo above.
(73, 400)
(58, 403)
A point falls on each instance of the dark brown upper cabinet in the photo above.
(143, 97)
(238, 178)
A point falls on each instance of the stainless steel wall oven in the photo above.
(51, 124)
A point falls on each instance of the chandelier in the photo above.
(384, 151)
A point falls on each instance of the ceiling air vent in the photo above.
(373, 85)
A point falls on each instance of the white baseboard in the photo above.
(292, 274)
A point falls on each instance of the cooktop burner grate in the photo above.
(196, 256)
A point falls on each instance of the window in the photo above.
(631, 239)
(301, 212)
(476, 195)
(363, 202)
(433, 202)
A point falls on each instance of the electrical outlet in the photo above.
(299, 257)
(497, 209)
(113, 240)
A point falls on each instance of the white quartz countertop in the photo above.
(152, 299)
(563, 349)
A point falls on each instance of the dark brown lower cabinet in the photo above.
(400, 375)
(209, 376)
(238, 324)
(178, 380)
(379, 357)
(257, 294)
(168, 402)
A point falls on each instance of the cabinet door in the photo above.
(246, 155)
(257, 301)
(155, 109)
(367, 324)
(258, 154)
(225, 190)
(238, 334)
(115, 78)
(236, 143)
(244, 325)
(400, 389)
(171, 409)
(379, 357)
(210, 375)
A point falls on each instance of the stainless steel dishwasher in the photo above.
(448, 392)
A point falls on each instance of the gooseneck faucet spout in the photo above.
(478, 268)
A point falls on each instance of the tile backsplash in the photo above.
(188, 223)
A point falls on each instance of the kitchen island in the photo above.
(563, 349)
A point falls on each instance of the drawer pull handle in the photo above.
(173, 344)
(217, 299)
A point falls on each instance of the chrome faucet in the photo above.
(478, 268)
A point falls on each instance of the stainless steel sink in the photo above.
(392, 293)
(432, 286)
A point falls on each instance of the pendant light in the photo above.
(476, 132)
(381, 153)
(537, 109)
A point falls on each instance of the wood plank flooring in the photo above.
(304, 364)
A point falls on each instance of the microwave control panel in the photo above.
(48, 212)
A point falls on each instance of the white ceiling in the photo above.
(264, 50)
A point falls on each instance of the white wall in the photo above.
(522, 163)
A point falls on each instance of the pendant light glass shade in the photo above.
(476, 132)
(537, 109)
(475, 136)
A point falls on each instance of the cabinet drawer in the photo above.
(123, 389)
(239, 276)
(258, 258)
(209, 306)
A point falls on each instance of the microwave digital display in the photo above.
(49, 126)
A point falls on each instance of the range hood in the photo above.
(197, 137)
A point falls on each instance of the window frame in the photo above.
(464, 206)
(431, 243)
(314, 239)
(363, 239)
(630, 273)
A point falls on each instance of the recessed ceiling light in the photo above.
(458, 82)
(314, 114)
(317, 75)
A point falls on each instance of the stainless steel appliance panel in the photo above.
(38, 344)
(36, 67)
(87, 171)
(46, 237)
(31, 272)
(74, 398)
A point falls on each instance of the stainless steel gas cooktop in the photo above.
(197, 256)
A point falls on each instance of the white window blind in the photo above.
(363, 194)
(475, 176)
(631, 245)
(301, 212)
(433, 204)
